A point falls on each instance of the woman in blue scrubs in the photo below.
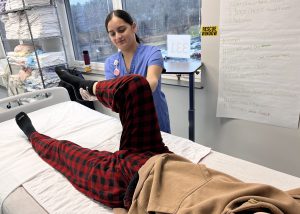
(136, 58)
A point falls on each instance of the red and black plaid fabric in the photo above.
(101, 175)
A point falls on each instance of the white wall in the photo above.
(271, 146)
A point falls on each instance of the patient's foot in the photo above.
(75, 81)
(25, 124)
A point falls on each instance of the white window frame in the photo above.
(98, 66)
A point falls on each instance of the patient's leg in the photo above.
(92, 172)
(131, 97)
(96, 173)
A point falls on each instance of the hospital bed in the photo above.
(29, 185)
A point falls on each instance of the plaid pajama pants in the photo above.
(101, 175)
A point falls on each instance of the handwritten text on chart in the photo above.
(259, 63)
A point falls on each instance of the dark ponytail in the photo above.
(137, 38)
(122, 14)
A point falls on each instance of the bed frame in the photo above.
(50, 96)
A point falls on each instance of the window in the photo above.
(155, 19)
(158, 18)
(87, 25)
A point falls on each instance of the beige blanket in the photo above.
(171, 184)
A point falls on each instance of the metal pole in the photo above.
(32, 41)
(192, 107)
(61, 34)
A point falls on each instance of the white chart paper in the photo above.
(259, 76)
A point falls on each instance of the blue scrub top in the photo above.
(144, 56)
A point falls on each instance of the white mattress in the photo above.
(20, 165)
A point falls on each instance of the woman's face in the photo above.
(121, 34)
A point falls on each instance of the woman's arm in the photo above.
(153, 75)
(109, 68)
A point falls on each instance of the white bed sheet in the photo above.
(250, 172)
(20, 165)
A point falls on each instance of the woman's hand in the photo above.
(86, 95)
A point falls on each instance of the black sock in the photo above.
(75, 81)
(25, 124)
